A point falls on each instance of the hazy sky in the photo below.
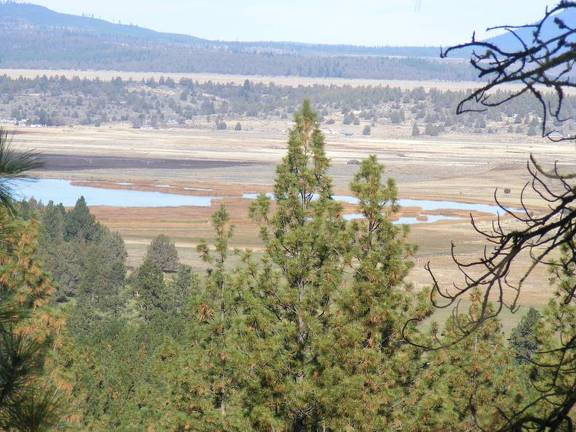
(366, 22)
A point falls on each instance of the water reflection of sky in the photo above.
(426, 205)
(408, 220)
(61, 191)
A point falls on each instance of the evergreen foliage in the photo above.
(220, 351)
(29, 398)
(84, 257)
(80, 224)
(150, 290)
(307, 336)
(305, 239)
(13, 165)
(548, 355)
(375, 366)
(474, 384)
(163, 254)
(323, 339)
(61, 101)
(523, 338)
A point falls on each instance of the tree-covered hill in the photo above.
(36, 37)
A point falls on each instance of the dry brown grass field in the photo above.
(236, 79)
(226, 164)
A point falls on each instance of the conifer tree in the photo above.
(523, 339)
(13, 165)
(374, 365)
(63, 260)
(104, 272)
(150, 290)
(473, 385)
(28, 328)
(52, 224)
(217, 334)
(305, 240)
(553, 364)
(80, 223)
(184, 285)
(163, 253)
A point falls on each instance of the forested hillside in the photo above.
(36, 37)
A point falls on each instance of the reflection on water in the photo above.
(253, 196)
(407, 220)
(450, 205)
(426, 205)
(61, 191)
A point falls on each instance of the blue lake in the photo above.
(62, 191)
(426, 205)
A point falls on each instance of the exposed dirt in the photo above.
(62, 162)
(227, 164)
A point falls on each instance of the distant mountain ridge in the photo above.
(549, 31)
(42, 17)
(36, 37)
(30, 14)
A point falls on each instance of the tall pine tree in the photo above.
(305, 240)
(28, 329)
(371, 366)
(216, 335)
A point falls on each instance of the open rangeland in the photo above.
(291, 81)
(227, 164)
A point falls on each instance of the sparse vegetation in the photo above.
(317, 326)
(59, 101)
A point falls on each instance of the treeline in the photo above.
(35, 48)
(321, 332)
(163, 102)
(17, 15)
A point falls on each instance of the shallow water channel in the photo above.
(425, 205)
(63, 191)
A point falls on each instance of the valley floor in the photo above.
(227, 164)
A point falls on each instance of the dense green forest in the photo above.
(59, 101)
(308, 336)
